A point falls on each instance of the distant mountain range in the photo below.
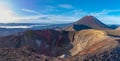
(11, 28)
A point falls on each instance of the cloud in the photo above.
(103, 12)
(44, 18)
(110, 19)
(105, 16)
(30, 11)
(66, 6)
(47, 19)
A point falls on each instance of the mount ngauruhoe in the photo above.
(85, 23)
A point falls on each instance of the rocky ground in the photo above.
(84, 45)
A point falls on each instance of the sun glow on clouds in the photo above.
(6, 14)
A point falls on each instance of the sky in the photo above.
(58, 11)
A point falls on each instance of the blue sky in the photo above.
(58, 11)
